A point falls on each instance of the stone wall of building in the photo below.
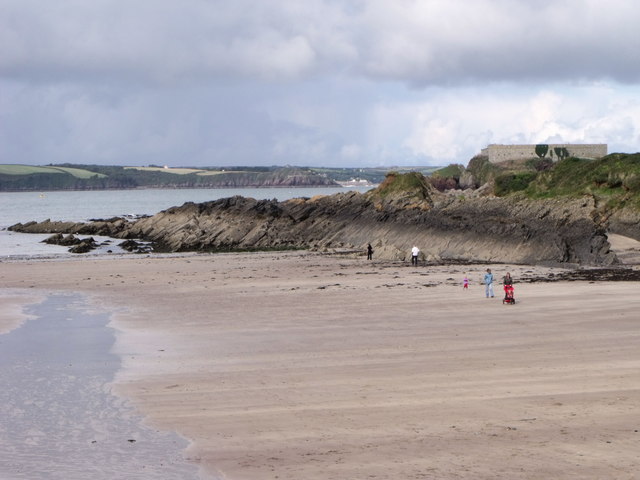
(500, 153)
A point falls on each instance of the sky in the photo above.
(336, 83)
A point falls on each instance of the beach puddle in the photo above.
(59, 419)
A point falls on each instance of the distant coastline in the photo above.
(25, 178)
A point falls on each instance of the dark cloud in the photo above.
(427, 42)
(313, 82)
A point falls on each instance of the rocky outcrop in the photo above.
(95, 227)
(522, 231)
(444, 227)
(78, 245)
(135, 247)
(624, 221)
(487, 229)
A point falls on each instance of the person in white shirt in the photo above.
(415, 251)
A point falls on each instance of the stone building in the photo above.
(556, 151)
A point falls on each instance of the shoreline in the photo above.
(60, 416)
(164, 187)
(14, 304)
(305, 365)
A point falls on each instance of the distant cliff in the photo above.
(405, 210)
(96, 177)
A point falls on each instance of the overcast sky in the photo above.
(312, 82)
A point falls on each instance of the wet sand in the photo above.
(60, 419)
(308, 366)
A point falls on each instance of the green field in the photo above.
(30, 170)
(204, 173)
(176, 171)
(26, 170)
(78, 172)
(183, 171)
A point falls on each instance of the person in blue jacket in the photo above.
(488, 283)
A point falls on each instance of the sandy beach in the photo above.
(309, 366)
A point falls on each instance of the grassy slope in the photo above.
(26, 170)
(614, 179)
(29, 170)
(185, 171)
(176, 171)
(453, 171)
(412, 184)
(607, 175)
(78, 172)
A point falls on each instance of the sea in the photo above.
(78, 206)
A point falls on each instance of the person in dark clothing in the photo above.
(507, 283)
(369, 252)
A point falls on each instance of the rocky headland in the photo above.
(406, 210)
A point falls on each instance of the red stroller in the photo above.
(508, 295)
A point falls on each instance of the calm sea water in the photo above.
(22, 207)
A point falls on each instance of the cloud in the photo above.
(376, 82)
(164, 41)
(442, 125)
(418, 42)
(444, 43)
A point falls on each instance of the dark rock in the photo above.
(114, 227)
(59, 239)
(129, 245)
(70, 240)
(85, 245)
(54, 239)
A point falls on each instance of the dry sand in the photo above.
(307, 366)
